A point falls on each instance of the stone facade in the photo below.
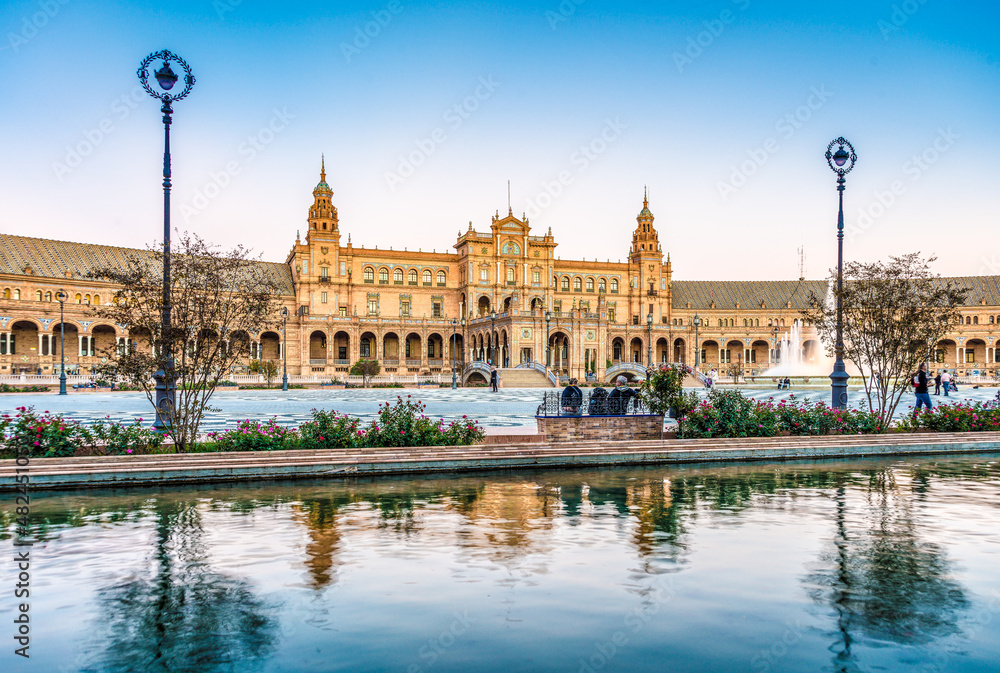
(557, 429)
(486, 299)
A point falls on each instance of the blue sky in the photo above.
(425, 110)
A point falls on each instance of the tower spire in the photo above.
(322, 170)
(645, 197)
(510, 211)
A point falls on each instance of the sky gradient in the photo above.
(425, 110)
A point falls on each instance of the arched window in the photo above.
(427, 277)
(369, 274)
(79, 298)
(97, 300)
(602, 286)
(968, 320)
(510, 274)
(48, 296)
(577, 284)
(565, 284)
(975, 320)
(6, 295)
(86, 299)
(614, 285)
(757, 322)
(397, 276)
(383, 276)
(412, 276)
(38, 295)
(17, 293)
(991, 318)
(720, 322)
(590, 285)
(744, 322)
(442, 278)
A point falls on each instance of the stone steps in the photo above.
(524, 378)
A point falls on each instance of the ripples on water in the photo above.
(844, 566)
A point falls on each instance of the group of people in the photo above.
(601, 402)
(921, 382)
(784, 384)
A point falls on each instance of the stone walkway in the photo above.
(508, 408)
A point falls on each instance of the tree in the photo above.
(366, 369)
(218, 299)
(893, 315)
(269, 370)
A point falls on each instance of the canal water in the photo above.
(862, 565)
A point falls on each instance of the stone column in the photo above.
(41, 339)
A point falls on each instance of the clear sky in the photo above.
(724, 108)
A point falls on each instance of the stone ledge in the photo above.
(607, 428)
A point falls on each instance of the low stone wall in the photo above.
(599, 428)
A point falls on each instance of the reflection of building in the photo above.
(404, 307)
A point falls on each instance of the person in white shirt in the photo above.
(946, 381)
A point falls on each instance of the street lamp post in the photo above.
(454, 374)
(165, 77)
(841, 162)
(62, 296)
(465, 341)
(284, 348)
(697, 351)
(649, 339)
(548, 344)
(493, 329)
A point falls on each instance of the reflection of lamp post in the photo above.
(454, 374)
(649, 339)
(62, 297)
(493, 329)
(841, 162)
(165, 77)
(697, 351)
(548, 344)
(284, 348)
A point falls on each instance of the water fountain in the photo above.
(793, 360)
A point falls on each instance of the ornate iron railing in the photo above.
(591, 404)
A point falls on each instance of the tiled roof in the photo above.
(777, 293)
(52, 259)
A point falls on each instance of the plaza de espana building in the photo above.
(427, 312)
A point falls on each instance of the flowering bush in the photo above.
(40, 435)
(404, 424)
(978, 417)
(662, 387)
(727, 413)
(119, 439)
(330, 430)
(252, 435)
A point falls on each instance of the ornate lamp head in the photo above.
(842, 161)
(165, 76)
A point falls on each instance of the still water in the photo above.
(877, 565)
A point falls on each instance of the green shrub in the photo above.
(252, 435)
(4, 388)
(978, 417)
(44, 435)
(330, 430)
(119, 439)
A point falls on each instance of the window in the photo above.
(557, 307)
(79, 298)
(968, 320)
(725, 356)
(511, 278)
(397, 276)
(618, 351)
(366, 349)
(6, 295)
(590, 285)
(373, 307)
(602, 286)
(577, 284)
(975, 320)
(369, 274)
(324, 272)
(565, 284)
(343, 311)
(484, 274)
(536, 278)
(635, 320)
(404, 308)
(38, 295)
(383, 276)
(17, 295)
(343, 268)
(970, 355)
(442, 278)
(991, 317)
(427, 277)
(614, 286)
(611, 315)
(436, 309)
(412, 277)
(322, 297)
(48, 296)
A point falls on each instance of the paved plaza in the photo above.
(508, 408)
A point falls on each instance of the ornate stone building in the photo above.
(487, 300)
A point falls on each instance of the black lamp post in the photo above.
(454, 374)
(62, 296)
(697, 351)
(166, 79)
(548, 344)
(493, 329)
(465, 341)
(284, 348)
(841, 162)
(649, 339)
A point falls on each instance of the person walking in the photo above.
(494, 378)
(920, 390)
(937, 382)
(945, 381)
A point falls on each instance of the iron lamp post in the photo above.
(493, 329)
(62, 296)
(454, 374)
(841, 162)
(697, 351)
(649, 339)
(548, 343)
(284, 348)
(166, 79)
